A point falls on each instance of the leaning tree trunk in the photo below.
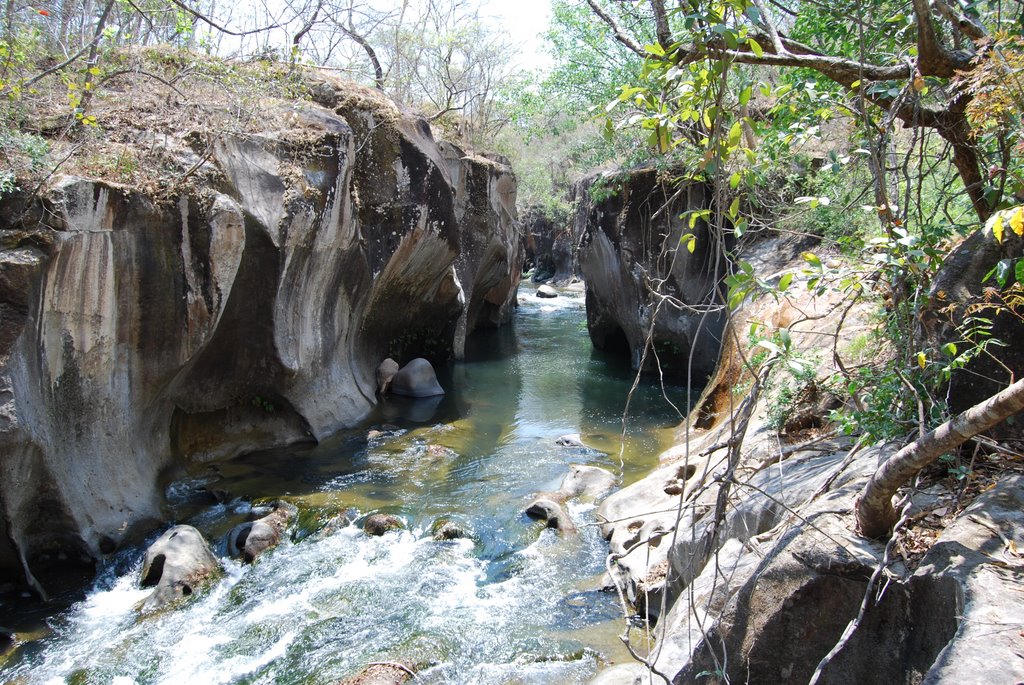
(875, 513)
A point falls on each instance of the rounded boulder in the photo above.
(378, 524)
(176, 565)
(416, 379)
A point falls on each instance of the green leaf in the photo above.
(755, 47)
(770, 346)
(812, 259)
(785, 338)
(734, 180)
(734, 208)
(745, 95)
(784, 282)
(735, 133)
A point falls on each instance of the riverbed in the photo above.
(513, 603)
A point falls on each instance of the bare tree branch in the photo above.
(875, 513)
(620, 35)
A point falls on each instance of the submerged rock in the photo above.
(447, 529)
(378, 524)
(249, 540)
(416, 379)
(552, 513)
(177, 565)
(570, 440)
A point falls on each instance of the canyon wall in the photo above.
(143, 329)
(643, 280)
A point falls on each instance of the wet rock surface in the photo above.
(551, 513)
(384, 673)
(176, 565)
(249, 540)
(587, 482)
(379, 524)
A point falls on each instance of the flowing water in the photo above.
(515, 603)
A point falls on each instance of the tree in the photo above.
(898, 67)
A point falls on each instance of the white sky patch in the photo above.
(524, 21)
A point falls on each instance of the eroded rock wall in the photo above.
(639, 277)
(246, 309)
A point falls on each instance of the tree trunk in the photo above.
(875, 513)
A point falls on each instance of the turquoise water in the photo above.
(515, 603)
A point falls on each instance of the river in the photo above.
(513, 604)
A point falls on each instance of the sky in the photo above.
(524, 20)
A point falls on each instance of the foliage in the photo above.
(23, 154)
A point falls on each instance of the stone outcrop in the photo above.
(961, 290)
(586, 482)
(744, 557)
(176, 565)
(629, 230)
(490, 259)
(247, 308)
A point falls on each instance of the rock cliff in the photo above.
(641, 281)
(245, 308)
(740, 550)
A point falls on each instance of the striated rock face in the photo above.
(246, 310)
(630, 243)
(490, 259)
(549, 245)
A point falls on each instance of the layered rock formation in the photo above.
(741, 550)
(247, 308)
(641, 282)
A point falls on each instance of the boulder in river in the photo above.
(546, 291)
(177, 564)
(570, 440)
(447, 529)
(416, 379)
(251, 539)
(378, 524)
(382, 673)
(586, 482)
(552, 513)
(385, 374)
